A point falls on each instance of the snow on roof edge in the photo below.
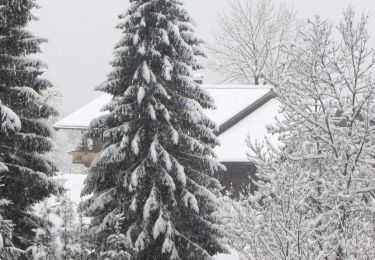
(68, 123)
(62, 127)
(250, 87)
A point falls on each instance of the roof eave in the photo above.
(222, 128)
(59, 127)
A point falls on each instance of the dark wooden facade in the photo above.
(86, 151)
(237, 178)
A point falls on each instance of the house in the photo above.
(242, 110)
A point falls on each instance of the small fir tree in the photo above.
(43, 247)
(46, 243)
(65, 236)
(69, 229)
(84, 238)
(157, 168)
(21, 88)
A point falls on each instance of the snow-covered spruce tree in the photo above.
(316, 195)
(156, 169)
(117, 244)
(27, 179)
(7, 248)
(9, 124)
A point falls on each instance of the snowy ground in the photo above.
(226, 257)
(74, 183)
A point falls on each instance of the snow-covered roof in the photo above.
(233, 147)
(230, 100)
(81, 118)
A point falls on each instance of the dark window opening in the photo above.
(238, 178)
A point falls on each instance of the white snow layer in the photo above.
(233, 147)
(229, 100)
(232, 99)
(233, 256)
(8, 119)
(81, 118)
(74, 184)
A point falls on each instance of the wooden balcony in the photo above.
(83, 157)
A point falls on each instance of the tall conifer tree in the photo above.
(153, 182)
(21, 88)
(9, 124)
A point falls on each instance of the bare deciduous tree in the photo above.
(316, 196)
(253, 41)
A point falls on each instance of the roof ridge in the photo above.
(245, 112)
(250, 87)
(247, 93)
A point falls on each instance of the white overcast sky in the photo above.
(81, 37)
